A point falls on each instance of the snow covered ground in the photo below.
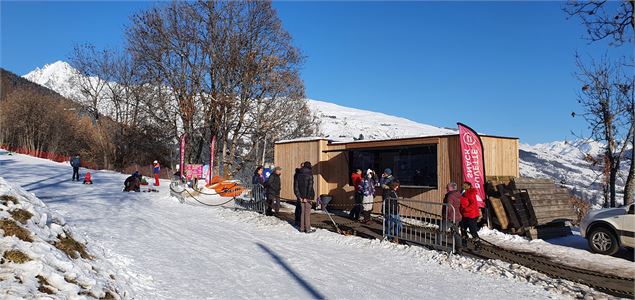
(170, 250)
(570, 250)
(34, 264)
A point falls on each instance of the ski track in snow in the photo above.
(176, 251)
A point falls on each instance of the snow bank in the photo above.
(578, 258)
(33, 266)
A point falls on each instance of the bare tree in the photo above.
(605, 19)
(232, 71)
(629, 187)
(612, 20)
(606, 99)
(162, 42)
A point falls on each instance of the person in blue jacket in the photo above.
(258, 180)
(76, 163)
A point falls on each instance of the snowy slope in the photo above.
(345, 123)
(48, 269)
(561, 161)
(182, 251)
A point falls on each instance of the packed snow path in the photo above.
(179, 251)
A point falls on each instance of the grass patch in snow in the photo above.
(71, 247)
(43, 285)
(11, 228)
(5, 199)
(21, 215)
(16, 256)
(108, 295)
(70, 280)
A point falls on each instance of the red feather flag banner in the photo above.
(473, 160)
(182, 154)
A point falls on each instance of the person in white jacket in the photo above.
(368, 188)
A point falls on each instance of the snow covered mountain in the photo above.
(59, 77)
(561, 161)
(570, 164)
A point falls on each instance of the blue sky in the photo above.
(505, 68)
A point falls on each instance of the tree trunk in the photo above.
(629, 188)
(612, 182)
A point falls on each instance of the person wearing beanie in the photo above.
(385, 181)
(368, 190)
(132, 183)
(391, 212)
(156, 170)
(273, 187)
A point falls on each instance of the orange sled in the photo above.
(225, 188)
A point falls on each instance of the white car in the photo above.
(609, 229)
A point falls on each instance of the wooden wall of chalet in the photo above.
(332, 174)
(289, 156)
(501, 156)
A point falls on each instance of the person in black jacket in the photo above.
(303, 189)
(273, 191)
(298, 204)
(132, 183)
(76, 163)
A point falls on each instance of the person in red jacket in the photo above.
(469, 211)
(87, 178)
(356, 178)
(156, 170)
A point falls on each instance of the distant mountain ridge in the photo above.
(561, 161)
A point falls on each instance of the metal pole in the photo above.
(264, 149)
(383, 227)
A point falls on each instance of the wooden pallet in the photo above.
(499, 212)
(549, 202)
(536, 207)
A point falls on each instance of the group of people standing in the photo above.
(365, 191)
(270, 187)
(462, 208)
(463, 211)
(303, 188)
(365, 199)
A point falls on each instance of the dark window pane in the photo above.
(414, 166)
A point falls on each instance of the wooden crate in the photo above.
(549, 202)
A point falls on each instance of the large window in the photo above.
(414, 166)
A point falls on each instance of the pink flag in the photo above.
(210, 174)
(473, 161)
(182, 154)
